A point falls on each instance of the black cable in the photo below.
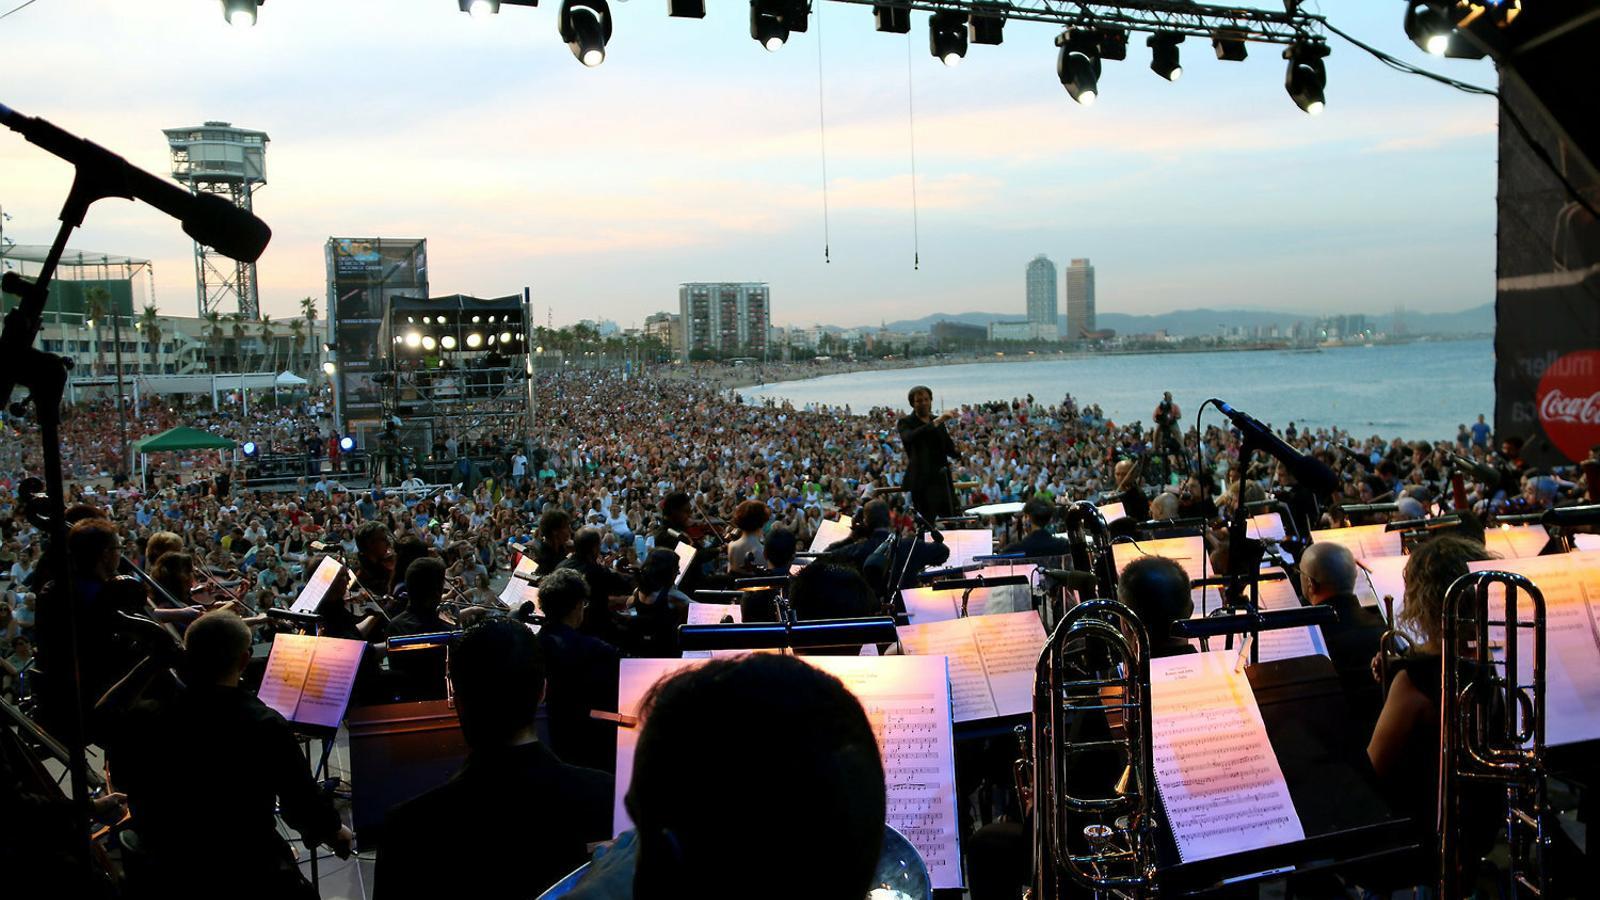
(19, 8)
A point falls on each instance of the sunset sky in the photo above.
(692, 154)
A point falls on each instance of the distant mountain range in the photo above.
(1195, 322)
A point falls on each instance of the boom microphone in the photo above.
(1309, 473)
(207, 218)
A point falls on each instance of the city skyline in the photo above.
(521, 167)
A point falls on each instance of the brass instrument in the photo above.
(1492, 726)
(1096, 665)
(1091, 546)
(1393, 645)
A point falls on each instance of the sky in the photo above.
(693, 154)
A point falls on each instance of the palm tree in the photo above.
(236, 327)
(266, 341)
(213, 332)
(308, 312)
(96, 305)
(297, 334)
(150, 327)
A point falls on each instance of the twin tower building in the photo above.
(1044, 306)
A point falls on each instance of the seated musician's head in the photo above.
(216, 649)
(497, 676)
(876, 515)
(175, 573)
(424, 586)
(750, 516)
(1430, 570)
(94, 548)
(1157, 590)
(780, 549)
(658, 572)
(1327, 570)
(562, 597)
(675, 510)
(1164, 506)
(830, 590)
(160, 544)
(795, 752)
(375, 546)
(1039, 514)
(586, 545)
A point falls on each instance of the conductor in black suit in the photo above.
(928, 452)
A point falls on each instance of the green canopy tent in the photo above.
(180, 438)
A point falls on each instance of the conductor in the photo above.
(928, 451)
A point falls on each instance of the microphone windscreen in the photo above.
(231, 231)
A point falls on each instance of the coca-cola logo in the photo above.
(1569, 402)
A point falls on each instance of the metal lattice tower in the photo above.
(216, 158)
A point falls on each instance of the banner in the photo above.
(363, 275)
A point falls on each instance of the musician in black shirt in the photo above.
(424, 590)
(928, 450)
(555, 541)
(1328, 575)
(1040, 541)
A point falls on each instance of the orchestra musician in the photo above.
(554, 541)
(1039, 541)
(582, 670)
(1328, 574)
(929, 449)
(375, 558)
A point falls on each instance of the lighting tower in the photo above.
(216, 158)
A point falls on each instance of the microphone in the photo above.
(207, 218)
(1568, 516)
(1483, 472)
(1310, 473)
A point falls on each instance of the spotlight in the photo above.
(477, 319)
(1078, 65)
(448, 342)
(1164, 54)
(1433, 29)
(491, 340)
(428, 343)
(505, 337)
(410, 320)
(1114, 43)
(398, 339)
(988, 23)
(328, 368)
(413, 340)
(474, 340)
(240, 13)
(480, 9)
(347, 443)
(766, 24)
(248, 448)
(491, 319)
(686, 9)
(1306, 76)
(947, 37)
(586, 27)
(1230, 45)
(891, 19)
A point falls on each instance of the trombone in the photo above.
(1492, 726)
(1094, 668)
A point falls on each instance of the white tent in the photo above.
(288, 379)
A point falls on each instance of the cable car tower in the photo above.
(216, 158)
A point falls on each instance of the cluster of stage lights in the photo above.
(251, 448)
(477, 339)
(1439, 27)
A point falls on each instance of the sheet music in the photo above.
(1286, 643)
(924, 605)
(905, 700)
(830, 532)
(1586, 541)
(686, 554)
(1516, 542)
(1571, 586)
(1362, 540)
(1267, 526)
(1219, 778)
(713, 613)
(518, 591)
(1112, 512)
(317, 586)
(1188, 551)
(1007, 597)
(966, 544)
(992, 660)
(1382, 576)
(308, 679)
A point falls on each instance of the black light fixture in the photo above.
(1164, 54)
(241, 13)
(686, 9)
(1306, 76)
(947, 37)
(1229, 44)
(891, 19)
(1435, 30)
(988, 24)
(1078, 64)
(586, 27)
(479, 9)
(1113, 43)
(767, 24)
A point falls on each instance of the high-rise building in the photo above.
(722, 319)
(1080, 300)
(1043, 306)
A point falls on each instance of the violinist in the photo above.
(375, 559)
(603, 581)
(555, 541)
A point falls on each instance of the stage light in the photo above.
(491, 340)
(767, 26)
(410, 321)
(947, 37)
(1078, 65)
(248, 448)
(1164, 54)
(480, 9)
(328, 368)
(1435, 30)
(347, 443)
(428, 343)
(448, 342)
(891, 19)
(1306, 76)
(240, 13)
(988, 23)
(1113, 43)
(1230, 45)
(505, 337)
(491, 319)
(586, 27)
(477, 319)
(686, 9)
(474, 340)
(413, 339)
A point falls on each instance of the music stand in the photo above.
(789, 635)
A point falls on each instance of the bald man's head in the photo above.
(1326, 570)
